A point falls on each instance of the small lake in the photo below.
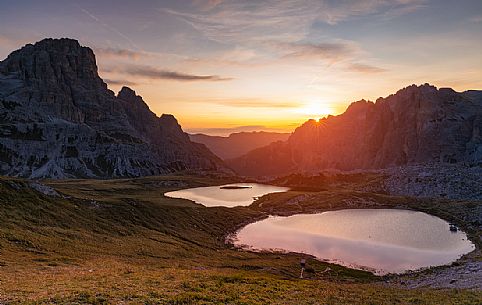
(379, 240)
(229, 195)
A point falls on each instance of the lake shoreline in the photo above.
(381, 238)
(467, 268)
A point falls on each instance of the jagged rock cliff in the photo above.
(418, 124)
(58, 119)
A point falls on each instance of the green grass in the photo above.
(122, 241)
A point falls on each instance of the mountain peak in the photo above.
(416, 125)
(359, 106)
(76, 127)
(127, 94)
(57, 43)
(169, 119)
(425, 88)
(54, 61)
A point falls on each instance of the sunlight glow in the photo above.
(315, 110)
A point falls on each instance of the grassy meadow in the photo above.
(123, 242)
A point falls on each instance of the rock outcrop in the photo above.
(59, 120)
(417, 125)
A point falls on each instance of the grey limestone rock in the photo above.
(59, 120)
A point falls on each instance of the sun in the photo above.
(315, 110)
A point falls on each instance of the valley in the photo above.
(110, 241)
(104, 201)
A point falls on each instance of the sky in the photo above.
(222, 66)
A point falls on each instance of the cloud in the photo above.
(282, 52)
(268, 32)
(108, 26)
(404, 7)
(155, 73)
(364, 68)
(254, 103)
(130, 54)
(120, 82)
(206, 5)
(117, 52)
(330, 51)
(233, 21)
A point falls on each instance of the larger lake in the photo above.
(229, 195)
(380, 240)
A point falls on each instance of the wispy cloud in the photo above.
(347, 54)
(117, 52)
(244, 21)
(364, 68)
(276, 52)
(108, 27)
(206, 4)
(156, 73)
(273, 31)
(253, 103)
(232, 21)
(120, 82)
(130, 54)
(329, 51)
(404, 7)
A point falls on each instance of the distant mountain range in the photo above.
(417, 125)
(238, 144)
(58, 119)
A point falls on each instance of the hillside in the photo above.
(122, 241)
(237, 144)
(417, 125)
(59, 120)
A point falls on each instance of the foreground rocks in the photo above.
(59, 120)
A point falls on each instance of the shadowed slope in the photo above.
(60, 120)
(416, 125)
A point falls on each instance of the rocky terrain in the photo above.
(59, 120)
(450, 181)
(462, 275)
(417, 125)
(239, 143)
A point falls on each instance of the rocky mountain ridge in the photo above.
(239, 143)
(59, 120)
(417, 125)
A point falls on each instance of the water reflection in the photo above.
(229, 195)
(381, 240)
